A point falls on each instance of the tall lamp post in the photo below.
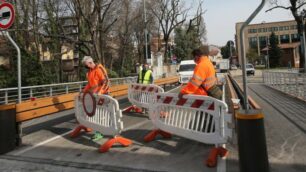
(145, 30)
(302, 37)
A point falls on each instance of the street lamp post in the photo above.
(302, 38)
(145, 30)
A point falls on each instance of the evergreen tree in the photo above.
(275, 52)
(226, 50)
(185, 42)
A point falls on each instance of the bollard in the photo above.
(7, 128)
(252, 141)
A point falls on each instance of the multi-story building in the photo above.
(256, 36)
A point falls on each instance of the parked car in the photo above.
(250, 70)
(233, 67)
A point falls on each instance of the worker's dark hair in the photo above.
(202, 50)
(197, 52)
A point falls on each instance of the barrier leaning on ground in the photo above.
(100, 113)
(200, 118)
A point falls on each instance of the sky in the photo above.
(222, 15)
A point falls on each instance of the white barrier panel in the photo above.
(106, 118)
(200, 118)
(142, 95)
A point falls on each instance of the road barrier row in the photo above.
(39, 107)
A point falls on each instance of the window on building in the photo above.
(274, 29)
(253, 42)
(293, 27)
(260, 30)
(252, 30)
(286, 28)
(264, 29)
(270, 29)
(284, 39)
(281, 28)
(295, 38)
(262, 41)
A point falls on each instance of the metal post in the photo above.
(303, 42)
(145, 30)
(245, 102)
(18, 64)
(253, 156)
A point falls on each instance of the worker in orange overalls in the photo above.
(98, 82)
(203, 81)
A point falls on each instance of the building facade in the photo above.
(256, 36)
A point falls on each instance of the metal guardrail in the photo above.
(9, 95)
(291, 83)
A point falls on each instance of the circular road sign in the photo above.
(7, 15)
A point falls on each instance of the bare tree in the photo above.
(169, 14)
(295, 6)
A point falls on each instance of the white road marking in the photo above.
(41, 143)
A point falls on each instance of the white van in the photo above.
(185, 70)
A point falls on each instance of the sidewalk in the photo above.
(285, 126)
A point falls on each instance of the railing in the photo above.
(9, 95)
(291, 83)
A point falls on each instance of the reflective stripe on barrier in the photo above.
(198, 118)
(106, 118)
(142, 95)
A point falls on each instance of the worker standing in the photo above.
(139, 70)
(98, 82)
(147, 75)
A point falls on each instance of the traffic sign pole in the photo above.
(18, 64)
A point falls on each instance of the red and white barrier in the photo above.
(141, 95)
(200, 118)
(105, 118)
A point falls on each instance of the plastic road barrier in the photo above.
(200, 118)
(140, 95)
(106, 118)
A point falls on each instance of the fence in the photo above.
(291, 83)
(9, 95)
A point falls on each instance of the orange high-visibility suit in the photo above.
(98, 81)
(204, 77)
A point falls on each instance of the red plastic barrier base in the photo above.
(152, 135)
(78, 129)
(121, 140)
(212, 159)
(133, 108)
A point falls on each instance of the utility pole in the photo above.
(145, 30)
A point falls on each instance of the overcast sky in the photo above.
(222, 15)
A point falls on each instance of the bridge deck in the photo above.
(48, 143)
